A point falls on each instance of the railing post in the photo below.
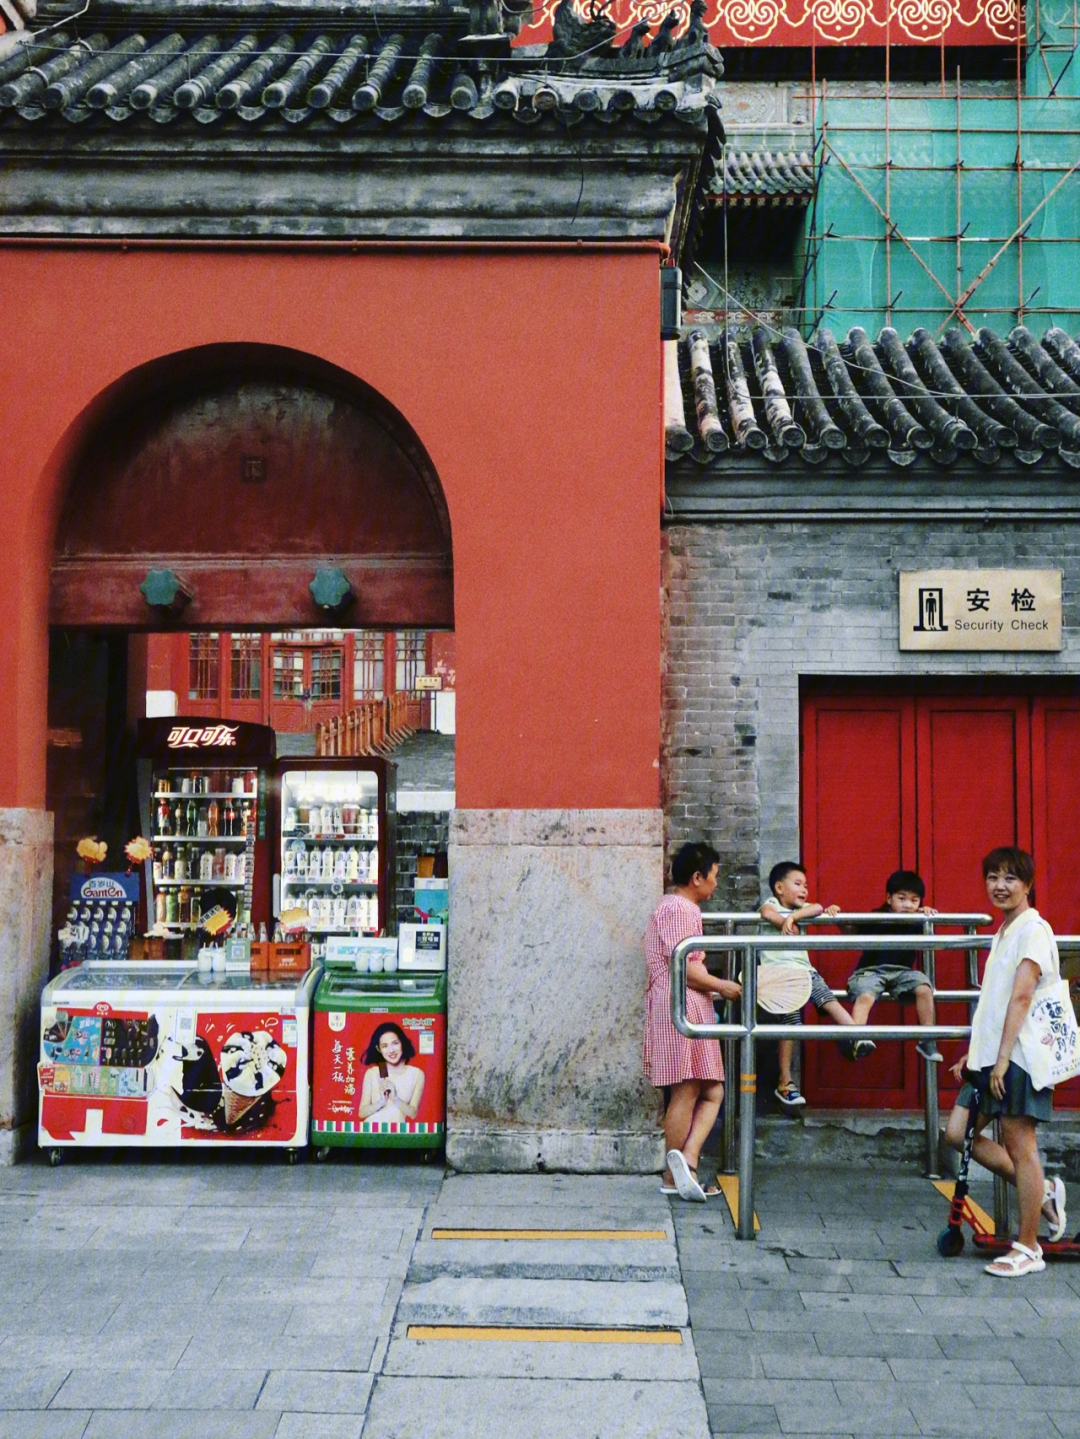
(728, 1118)
(931, 1112)
(747, 1096)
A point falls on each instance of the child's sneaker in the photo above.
(789, 1094)
(856, 1048)
(929, 1050)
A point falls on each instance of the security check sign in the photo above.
(980, 610)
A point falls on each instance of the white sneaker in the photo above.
(929, 1050)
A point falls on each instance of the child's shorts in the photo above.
(820, 996)
(894, 981)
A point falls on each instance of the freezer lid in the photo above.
(359, 986)
(133, 980)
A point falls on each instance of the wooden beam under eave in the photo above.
(256, 593)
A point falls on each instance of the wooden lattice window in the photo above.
(203, 662)
(246, 668)
(369, 666)
(326, 674)
(411, 659)
(288, 674)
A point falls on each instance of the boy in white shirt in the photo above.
(785, 907)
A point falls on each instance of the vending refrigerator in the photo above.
(203, 800)
(379, 1045)
(334, 855)
(159, 1054)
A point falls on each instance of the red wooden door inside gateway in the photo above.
(931, 782)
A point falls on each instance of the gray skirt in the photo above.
(1021, 1098)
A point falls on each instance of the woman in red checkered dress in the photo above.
(691, 1068)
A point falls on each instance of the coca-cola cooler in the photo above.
(204, 787)
(334, 855)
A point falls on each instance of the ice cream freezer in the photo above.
(163, 1055)
(379, 1064)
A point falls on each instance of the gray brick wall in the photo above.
(751, 607)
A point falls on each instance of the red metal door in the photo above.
(930, 781)
(858, 824)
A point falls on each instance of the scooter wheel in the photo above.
(56, 1157)
(950, 1242)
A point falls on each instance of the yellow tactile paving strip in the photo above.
(729, 1187)
(548, 1234)
(544, 1336)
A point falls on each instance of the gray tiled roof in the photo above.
(763, 177)
(376, 67)
(779, 399)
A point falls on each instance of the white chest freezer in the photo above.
(162, 1055)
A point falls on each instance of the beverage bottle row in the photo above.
(178, 906)
(358, 912)
(202, 863)
(332, 821)
(346, 866)
(208, 781)
(203, 819)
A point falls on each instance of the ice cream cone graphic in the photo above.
(252, 1062)
(236, 1105)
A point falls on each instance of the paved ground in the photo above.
(228, 1297)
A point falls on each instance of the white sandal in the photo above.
(1019, 1261)
(1054, 1197)
(685, 1182)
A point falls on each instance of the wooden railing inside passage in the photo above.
(373, 727)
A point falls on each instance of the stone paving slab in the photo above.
(544, 1301)
(610, 1259)
(418, 1408)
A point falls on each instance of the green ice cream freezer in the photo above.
(379, 1054)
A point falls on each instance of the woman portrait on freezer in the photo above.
(392, 1088)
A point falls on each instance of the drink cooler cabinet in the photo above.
(348, 1010)
(334, 836)
(157, 1055)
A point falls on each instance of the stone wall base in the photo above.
(567, 1151)
(26, 864)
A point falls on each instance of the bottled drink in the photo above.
(178, 817)
(196, 907)
(202, 828)
(262, 932)
(163, 816)
(353, 916)
(166, 863)
(172, 907)
(341, 860)
(160, 908)
(352, 865)
(230, 865)
(301, 861)
(158, 875)
(212, 815)
(219, 862)
(180, 867)
(339, 822)
(230, 817)
(206, 864)
(247, 819)
(184, 915)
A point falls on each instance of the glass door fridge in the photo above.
(335, 847)
(203, 790)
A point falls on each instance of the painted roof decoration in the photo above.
(405, 60)
(773, 397)
(747, 179)
(763, 23)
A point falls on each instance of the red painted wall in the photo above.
(532, 377)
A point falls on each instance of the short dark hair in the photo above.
(782, 870)
(906, 880)
(692, 858)
(1016, 861)
(374, 1054)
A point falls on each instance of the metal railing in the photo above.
(749, 1031)
(969, 922)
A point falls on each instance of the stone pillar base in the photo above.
(26, 866)
(547, 990)
(568, 1151)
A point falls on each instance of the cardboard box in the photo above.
(290, 958)
(260, 955)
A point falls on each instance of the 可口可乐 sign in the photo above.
(980, 610)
